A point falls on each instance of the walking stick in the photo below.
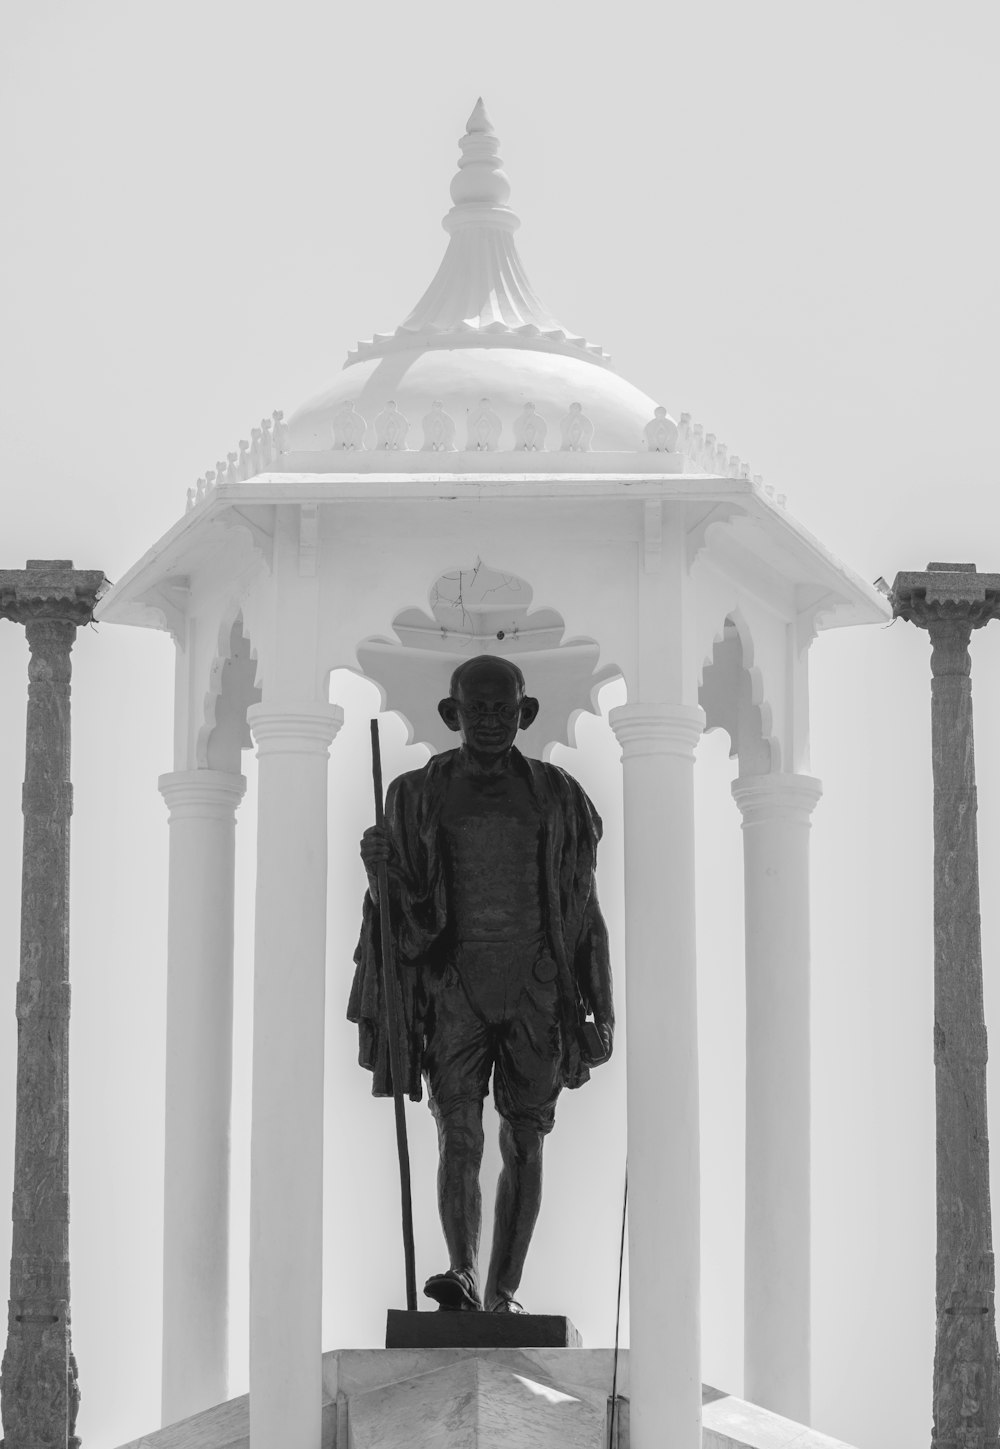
(390, 984)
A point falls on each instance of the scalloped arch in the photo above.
(731, 691)
(483, 609)
(232, 688)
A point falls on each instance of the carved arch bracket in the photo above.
(733, 698)
(817, 616)
(718, 515)
(166, 605)
(232, 688)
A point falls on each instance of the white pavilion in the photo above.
(477, 458)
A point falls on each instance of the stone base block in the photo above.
(467, 1398)
(482, 1401)
(479, 1330)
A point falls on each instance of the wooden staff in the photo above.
(390, 985)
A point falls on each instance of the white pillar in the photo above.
(202, 806)
(658, 743)
(286, 1146)
(776, 810)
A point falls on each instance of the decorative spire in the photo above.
(481, 295)
(480, 188)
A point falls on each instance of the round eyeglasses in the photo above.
(476, 712)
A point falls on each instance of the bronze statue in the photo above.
(502, 955)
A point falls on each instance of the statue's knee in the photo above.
(460, 1126)
(523, 1143)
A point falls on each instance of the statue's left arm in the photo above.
(591, 953)
(592, 968)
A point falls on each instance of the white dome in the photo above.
(460, 377)
(479, 333)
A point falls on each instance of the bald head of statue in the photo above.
(487, 704)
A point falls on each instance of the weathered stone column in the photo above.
(776, 812)
(658, 747)
(38, 1390)
(949, 601)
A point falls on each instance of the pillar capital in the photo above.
(50, 590)
(657, 729)
(772, 797)
(294, 729)
(946, 591)
(202, 794)
(949, 600)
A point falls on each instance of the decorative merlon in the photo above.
(265, 447)
(706, 454)
(484, 431)
(439, 430)
(577, 430)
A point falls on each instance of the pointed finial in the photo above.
(479, 120)
(480, 189)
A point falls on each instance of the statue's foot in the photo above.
(504, 1303)
(454, 1291)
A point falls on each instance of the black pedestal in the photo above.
(437, 1329)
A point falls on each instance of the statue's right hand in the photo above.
(376, 850)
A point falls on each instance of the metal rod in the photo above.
(612, 1437)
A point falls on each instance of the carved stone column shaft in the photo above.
(950, 601)
(965, 1358)
(38, 1392)
(36, 1368)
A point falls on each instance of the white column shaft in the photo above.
(286, 1154)
(776, 811)
(658, 743)
(202, 805)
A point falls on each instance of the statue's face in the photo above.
(489, 711)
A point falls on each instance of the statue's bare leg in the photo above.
(460, 1146)
(519, 1196)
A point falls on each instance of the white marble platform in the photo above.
(540, 1398)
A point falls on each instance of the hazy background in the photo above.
(780, 217)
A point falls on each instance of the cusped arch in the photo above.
(232, 688)
(482, 609)
(732, 694)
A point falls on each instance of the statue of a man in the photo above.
(502, 954)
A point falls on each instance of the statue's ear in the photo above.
(529, 711)
(448, 710)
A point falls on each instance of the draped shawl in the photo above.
(576, 933)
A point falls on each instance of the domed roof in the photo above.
(480, 363)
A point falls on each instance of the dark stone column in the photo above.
(949, 601)
(38, 1387)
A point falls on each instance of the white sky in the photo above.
(780, 217)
